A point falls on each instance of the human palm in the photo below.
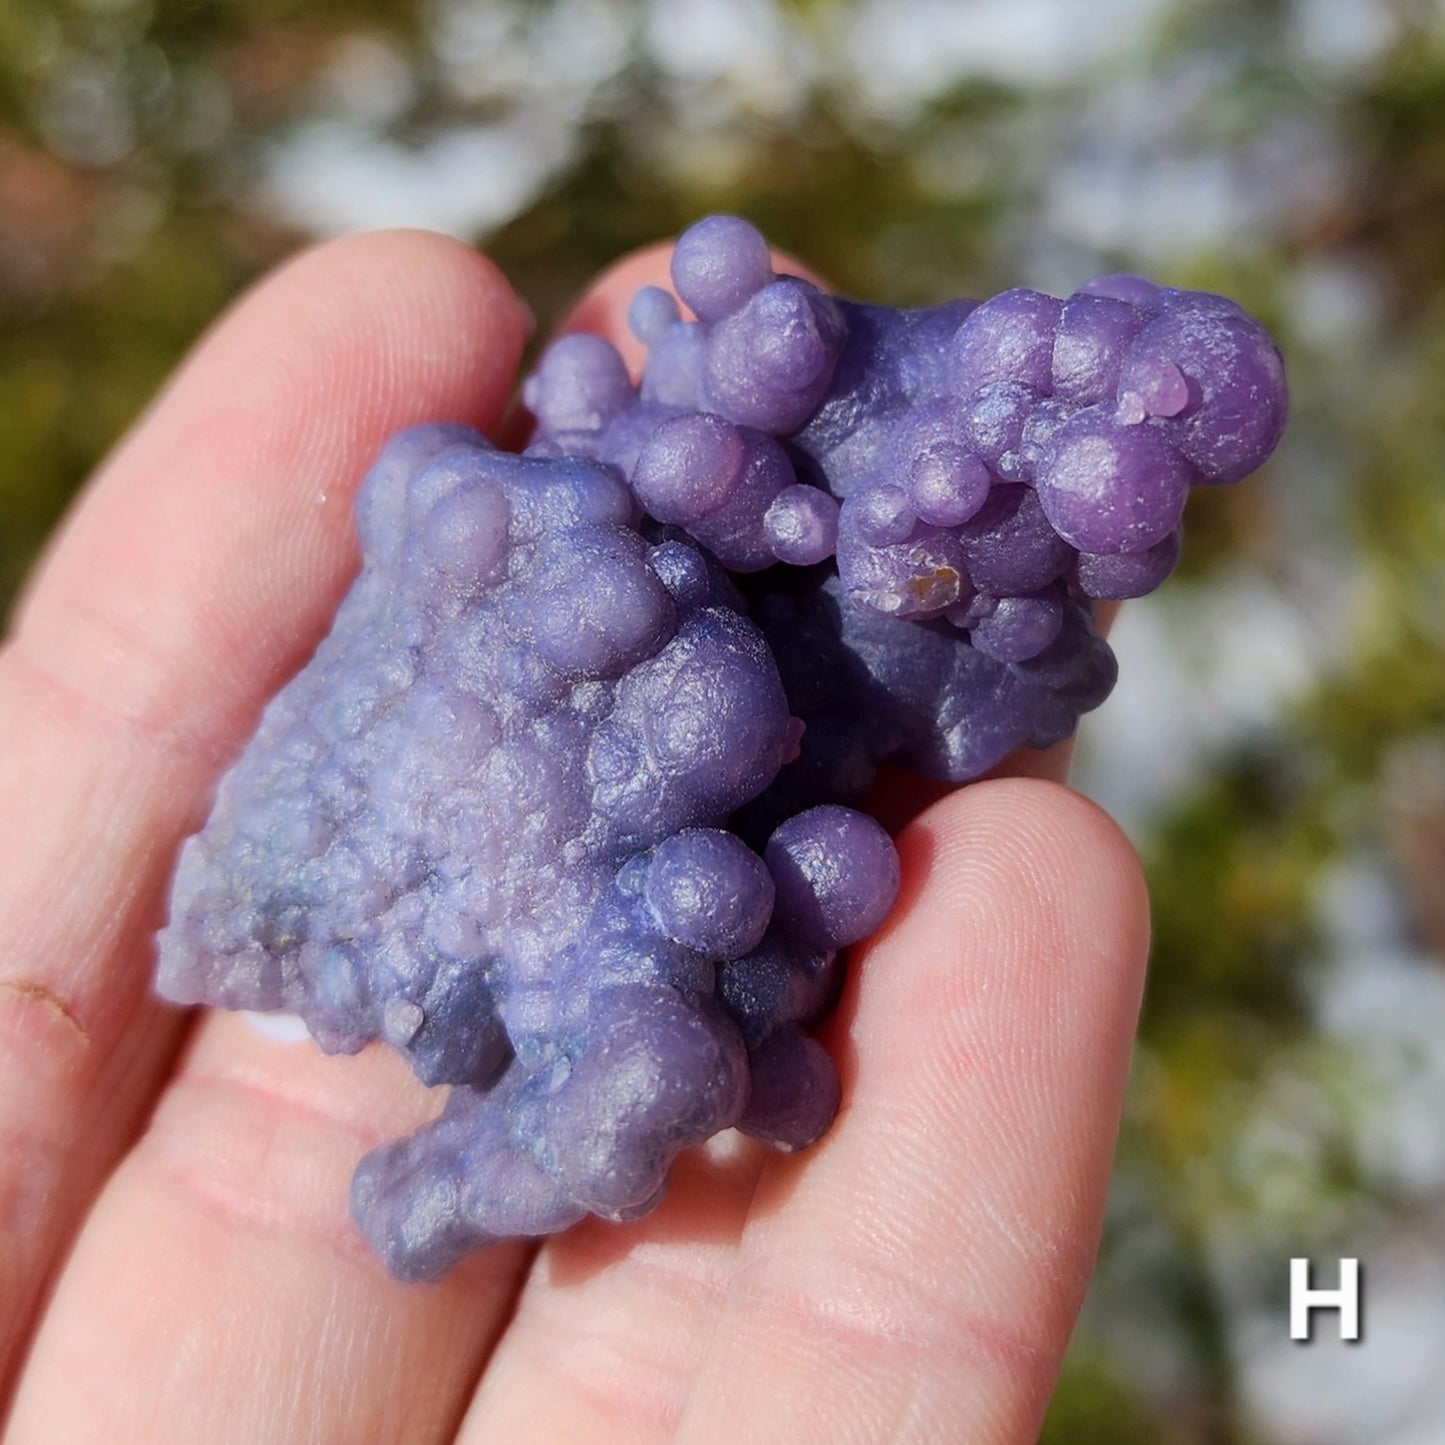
(176, 1263)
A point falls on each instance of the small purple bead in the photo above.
(769, 364)
(1121, 575)
(718, 264)
(650, 314)
(1019, 628)
(1009, 547)
(1120, 286)
(1008, 338)
(996, 416)
(795, 1091)
(690, 468)
(945, 478)
(1094, 336)
(881, 515)
(1223, 380)
(709, 890)
(802, 525)
(836, 872)
(1112, 488)
(718, 481)
(581, 384)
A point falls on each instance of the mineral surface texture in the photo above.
(567, 807)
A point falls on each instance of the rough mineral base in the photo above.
(566, 808)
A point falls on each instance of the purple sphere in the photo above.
(1009, 338)
(718, 264)
(1110, 488)
(801, 524)
(836, 873)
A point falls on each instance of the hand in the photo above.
(175, 1253)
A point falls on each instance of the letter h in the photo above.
(1303, 1299)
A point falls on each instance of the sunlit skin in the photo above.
(176, 1261)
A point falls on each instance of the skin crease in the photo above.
(172, 1188)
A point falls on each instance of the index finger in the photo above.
(195, 573)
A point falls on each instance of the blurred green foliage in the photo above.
(133, 145)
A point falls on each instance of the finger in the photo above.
(194, 577)
(916, 1276)
(614, 1321)
(219, 1292)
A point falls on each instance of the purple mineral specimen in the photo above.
(565, 807)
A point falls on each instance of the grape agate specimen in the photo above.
(567, 807)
